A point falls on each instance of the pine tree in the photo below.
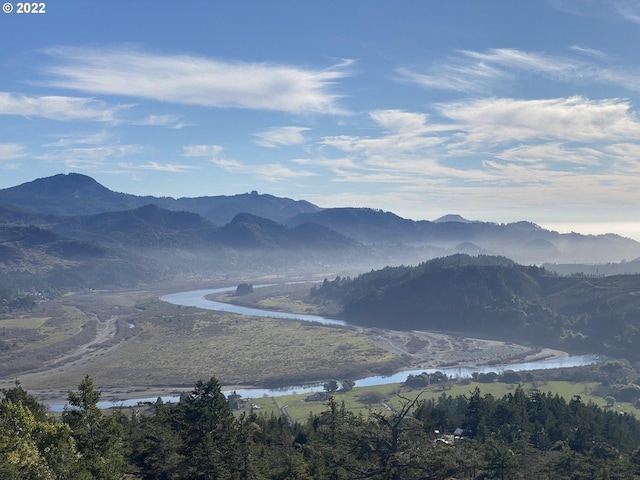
(98, 438)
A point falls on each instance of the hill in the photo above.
(75, 194)
(147, 226)
(496, 297)
(38, 260)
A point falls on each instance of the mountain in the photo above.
(35, 259)
(147, 226)
(250, 231)
(523, 241)
(494, 296)
(365, 225)
(452, 218)
(76, 194)
(71, 194)
(222, 209)
(46, 201)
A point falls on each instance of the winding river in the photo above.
(196, 298)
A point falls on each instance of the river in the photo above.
(196, 298)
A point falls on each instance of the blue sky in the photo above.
(496, 110)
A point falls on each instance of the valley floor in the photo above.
(120, 374)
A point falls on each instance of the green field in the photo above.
(299, 410)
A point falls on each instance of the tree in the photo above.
(331, 386)
(347, 385)
(32, 448)
(18, 394)
(396, 445)
(98, 438)
(208, 431)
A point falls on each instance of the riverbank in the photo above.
(414, 350)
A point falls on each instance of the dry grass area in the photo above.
(172, 347)
(140, 346)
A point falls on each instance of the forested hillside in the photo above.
(496, 297)
(35, 261)
(521, 435)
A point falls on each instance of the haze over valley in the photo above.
(320, 240)
(69, 244)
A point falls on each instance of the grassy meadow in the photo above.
(355, 400)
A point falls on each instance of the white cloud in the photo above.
(58, 107)
(274, 172)
(195, 80)
(232, 166)
(592, 52)
(400, 121)
(281, 136)
(202, 151)
(568, 119)
(171, 121)
(549, 153)
(70, 139)
(481, 72)
(495, 154)
(11, 151)
(157, 167)
(94, 155)
(629, 10)
(214, 154)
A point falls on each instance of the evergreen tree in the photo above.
(207, 429)
(98, 437)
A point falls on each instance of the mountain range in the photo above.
(251, 229)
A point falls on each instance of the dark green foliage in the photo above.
(496, 297)
(521, 435)
(98, 437)
(244, 289)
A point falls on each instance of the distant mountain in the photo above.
(599, 269)
(71, 194)
(452, 218)
(365, 225)
(222, 209)
(45, 201)
(524, 241)
(494, 296)
(76, 194)
(251, 231)
(147, 226)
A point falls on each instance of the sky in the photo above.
(495, 110)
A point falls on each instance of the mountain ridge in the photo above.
(44, 201)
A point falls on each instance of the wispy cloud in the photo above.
(214, 154)
(482, 72)
(196, 80)
(569, 119)
(628, 9)
(211, 151)
(170, 121)
(157, 167)
(482, 153)
(274, 172)
(58, 107)
(281, 136)
(76, 138)
(92, 158)
(12, 151)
